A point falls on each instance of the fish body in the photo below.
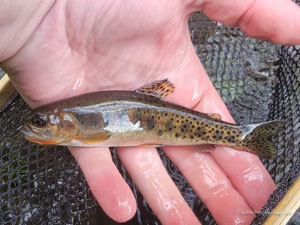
(135, 118)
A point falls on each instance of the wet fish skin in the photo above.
(130, 118)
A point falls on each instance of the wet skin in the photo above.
(117, 46)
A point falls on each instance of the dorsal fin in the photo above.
(158, 88)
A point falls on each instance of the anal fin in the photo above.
(158, 88)
(202, 147)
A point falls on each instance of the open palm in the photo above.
(85, 46)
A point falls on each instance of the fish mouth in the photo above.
(37, 136)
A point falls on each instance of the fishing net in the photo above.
(258, 81)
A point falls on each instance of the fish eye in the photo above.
(38, 120)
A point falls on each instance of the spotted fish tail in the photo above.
(257, 138)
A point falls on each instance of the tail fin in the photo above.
(257, 138)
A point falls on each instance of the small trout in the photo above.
(140, 117)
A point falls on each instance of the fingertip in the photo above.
(149, 174)
(211, 184)
(113, 195)
(106, 183)
(248, 175)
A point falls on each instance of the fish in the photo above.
(119, 118)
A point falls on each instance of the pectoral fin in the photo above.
(95, 138)
(158, 89)
(43, 142)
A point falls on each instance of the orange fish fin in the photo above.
(43, 142)
(158, 88)
(215, 116)
(95, 138)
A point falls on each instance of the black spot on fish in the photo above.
(159, 132)
(217, 135)
(231, 139)
(169, 125)
(150, 123)
(176, 135)
(200, 132)
(205, 138)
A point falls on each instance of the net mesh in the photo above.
(258, 81)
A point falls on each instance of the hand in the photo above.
(85, 46)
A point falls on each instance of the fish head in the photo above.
(49, 126)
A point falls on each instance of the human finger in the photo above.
(211, 185)
(106, 183)
(273, 20)
(149, 174)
